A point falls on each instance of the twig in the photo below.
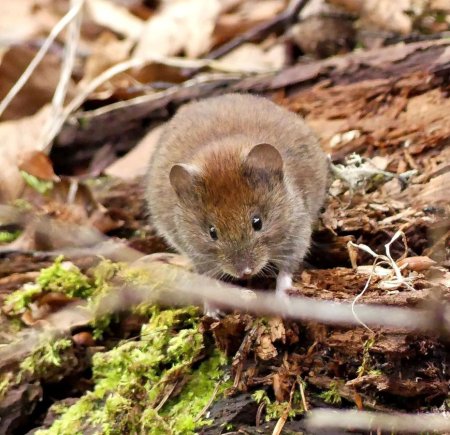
(210, 401)
(259, 411)
(166, 397)
(371, 421)
(282, 420)
(156, 96)
(90, 87)
(54, 122)
(71, 14)
(302, 394)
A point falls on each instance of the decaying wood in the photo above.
(364, 78)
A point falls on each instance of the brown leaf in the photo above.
(265, 349)
(115, 17)
(277, 329)
(39, 89)
(17, 138)
(44, 305)
(54, 300)
(358, 401)
(84, 339)
(39, 165)
(418, 263)
(135, 163)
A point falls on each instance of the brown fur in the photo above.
(213, 137)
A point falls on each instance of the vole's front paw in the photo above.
(211, 310)
(284, 284)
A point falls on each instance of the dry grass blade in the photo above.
(73, 12)
(375, 421)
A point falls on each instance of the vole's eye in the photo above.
(256, 223)
(213, 232)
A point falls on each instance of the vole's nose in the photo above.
(246, 273)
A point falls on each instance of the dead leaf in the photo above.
(38, 90)
(84, 339)
(106, 51)
(277, 329)
(115, 17)
(183, 26)
(39, 165)
(242, 16)
(18, 21)
(418, 263)
(265, 349)
(358, 401)
(253, 58)
(18, 138)
(384, 14)
(135, 163)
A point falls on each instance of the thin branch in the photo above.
(378, 421)
(40, 55)
(72, 40)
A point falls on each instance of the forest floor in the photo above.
(151, 369)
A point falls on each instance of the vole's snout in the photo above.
(244, 267)
(245, 273)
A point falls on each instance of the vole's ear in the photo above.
(182, 177)
(264, 159)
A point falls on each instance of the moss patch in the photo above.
(149, 386)
(9, 236)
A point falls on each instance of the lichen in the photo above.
(150, 385)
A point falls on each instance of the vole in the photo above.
(235, 183)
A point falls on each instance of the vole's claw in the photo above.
(212, 311)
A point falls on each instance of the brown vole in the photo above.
(235, 184)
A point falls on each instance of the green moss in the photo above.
(5, 382)
(134, 381)
(61, 276)
(103, 274)
(365, 366)
(65, 277)
(18, 301)
(9, 236)
(274, 409)
(42, 186)
(184, 413)
(332, 395)
(44, 357)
